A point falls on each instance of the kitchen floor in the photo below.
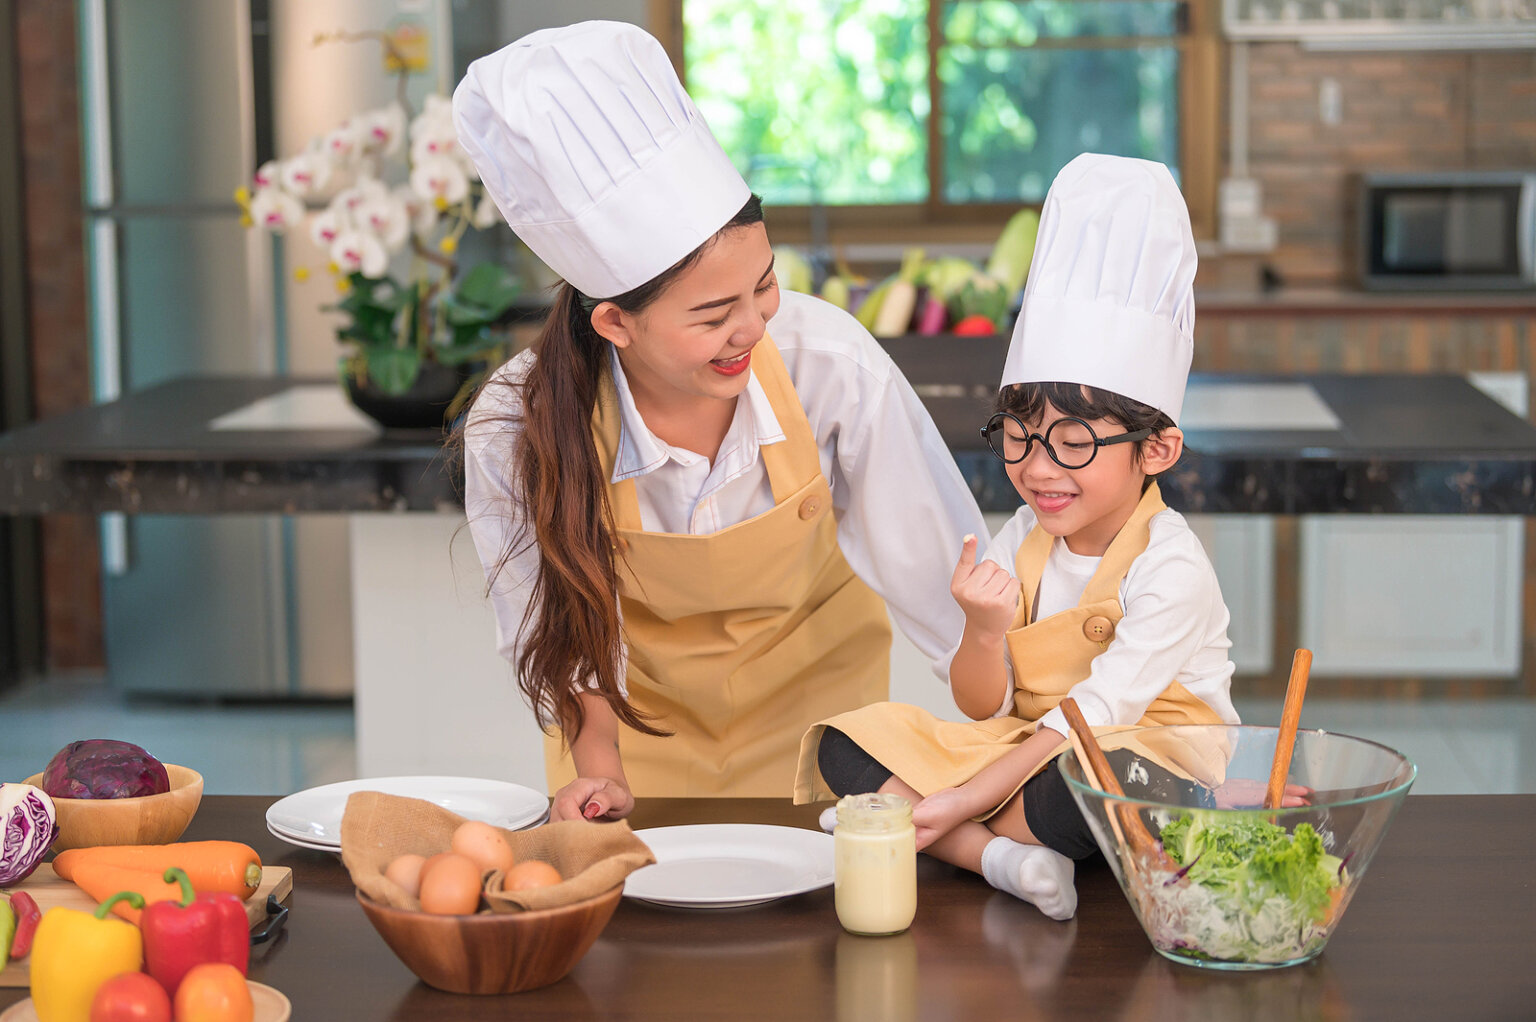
(1463, 747)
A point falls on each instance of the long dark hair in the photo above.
(572, 631)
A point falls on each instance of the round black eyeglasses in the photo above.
(1070, 441)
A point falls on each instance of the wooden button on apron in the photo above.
(1098, 629)
(808, 507)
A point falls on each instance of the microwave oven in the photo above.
(1468, 230)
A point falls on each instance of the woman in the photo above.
(685, 520)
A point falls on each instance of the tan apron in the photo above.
(740, 639)
(1049, 657)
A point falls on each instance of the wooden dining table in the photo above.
(1442, 928)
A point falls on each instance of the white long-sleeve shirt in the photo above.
(901, 504)
(1174, 628)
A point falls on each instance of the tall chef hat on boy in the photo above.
(1109, 300)
(595, 155)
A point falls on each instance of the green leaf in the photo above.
(391, 369)
(490, 286)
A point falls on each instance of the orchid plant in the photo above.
(383, 183)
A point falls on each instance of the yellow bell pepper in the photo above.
(75, 952)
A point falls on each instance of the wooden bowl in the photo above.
(146, 820)
(492, 953)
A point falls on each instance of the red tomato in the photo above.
(974, 326)
(131, 997)
(214, 992)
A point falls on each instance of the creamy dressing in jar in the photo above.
(875, 882)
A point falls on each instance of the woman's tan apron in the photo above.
(1049, 657)
(738, 640)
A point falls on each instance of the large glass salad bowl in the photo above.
(1225, 883)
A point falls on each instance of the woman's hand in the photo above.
(591, 798)
(986, 592)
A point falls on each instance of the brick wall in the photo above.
(57, 330)
(1401, 111)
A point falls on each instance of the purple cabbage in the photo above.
(30, 826)
(104, 768)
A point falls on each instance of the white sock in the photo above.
(1031, 873)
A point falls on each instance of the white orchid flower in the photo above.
(345, 143)
(267, 174)
(363, 191)
(306, 174)
(276, 210)
(439, 140)
(383, 129)
(424, 214)
(328, 225)
(360, 252)
(436, 112)
(440, 179)
(388, 219)
(485, 214)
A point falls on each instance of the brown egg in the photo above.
(405, 870)
(451, 887)
(431, 861)
(528, 874)
(484, 844)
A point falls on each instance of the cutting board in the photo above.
(49, 891)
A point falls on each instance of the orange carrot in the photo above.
(227, 866)
(101, 881)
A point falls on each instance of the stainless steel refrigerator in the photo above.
(181, 100)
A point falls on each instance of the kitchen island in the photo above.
(1440, 929)
(1266, 444)
(1398, 444)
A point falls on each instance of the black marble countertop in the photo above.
(1420, 444)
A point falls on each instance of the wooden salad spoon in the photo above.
(1290, 718)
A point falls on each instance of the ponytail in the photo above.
(571, 630)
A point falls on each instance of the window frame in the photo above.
(938, 221)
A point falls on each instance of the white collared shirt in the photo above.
(902, 506)
(1174, 628)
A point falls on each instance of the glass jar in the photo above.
(875, 879)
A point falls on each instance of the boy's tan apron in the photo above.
(740, 639)
(1049, 657)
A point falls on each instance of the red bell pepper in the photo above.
(27, 917)
(212, 927)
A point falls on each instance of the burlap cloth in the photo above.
(593, 857)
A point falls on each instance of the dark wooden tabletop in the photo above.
(1442, 928)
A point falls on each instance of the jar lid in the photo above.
(874, 813)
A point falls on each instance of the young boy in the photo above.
(1094, 589)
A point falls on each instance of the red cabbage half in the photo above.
(104, 768)
(29, 827)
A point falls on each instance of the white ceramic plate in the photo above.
(730, 865)
(332, 849)
(314, 815)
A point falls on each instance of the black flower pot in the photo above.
(424, 406)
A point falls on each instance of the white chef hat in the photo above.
(1110, 296)
(595, 155)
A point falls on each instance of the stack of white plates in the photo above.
(312, 818)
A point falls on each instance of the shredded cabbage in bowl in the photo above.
(1246, 889)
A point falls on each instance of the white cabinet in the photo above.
(1411, 595)
(1415, 595)
(1242, 549)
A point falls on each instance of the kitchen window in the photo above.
(895, 114)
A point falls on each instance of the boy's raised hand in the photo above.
(987, 593)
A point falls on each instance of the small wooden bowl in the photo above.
(146, 820)
(496, 953)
